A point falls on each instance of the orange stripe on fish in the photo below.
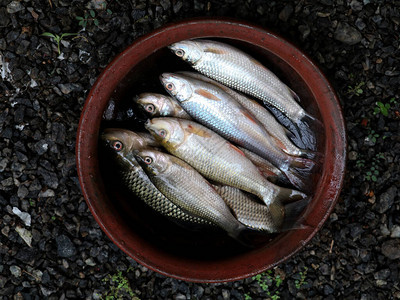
(199, 132)
(214, 51)
(207, 94)
(237, 150)
(249, 116)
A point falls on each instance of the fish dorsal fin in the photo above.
(197, 131)
(206, 94)
(214, 51)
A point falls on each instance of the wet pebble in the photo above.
(347, 34)
(65, 247)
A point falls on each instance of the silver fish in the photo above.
(240, 71)
(216, 109)
(218, 160)
(271, 125)
(123, 143)
(158, 105)
(187, 189)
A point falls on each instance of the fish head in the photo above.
(123, 141)
(152, 161)
(154, 104)
(187, 50)
(177, 86)
(167, 131)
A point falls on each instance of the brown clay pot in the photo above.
(167, 248)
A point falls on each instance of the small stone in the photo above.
(46, 193)
(286, 12)
(26, 235)
(225, 294)
(15, 271)
(22, 191)
(382, 274)
(25, 217)
(356, 5)
(65, 247)
(50, 178)
(391, 249)
(3, 164)
(381, 283)
(386, 199)
(347, 34)
(179, 297)
(4, 18)
(304, 30)
(328, 290)
(353, 155)
(395, 233)
(5, 230)
(14, 6)
(70, 87)
(90, 262)
(41, 147)
(384, 230)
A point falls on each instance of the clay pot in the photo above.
(163, 246)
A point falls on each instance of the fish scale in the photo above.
(246, 210)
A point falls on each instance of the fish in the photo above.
(158, 105)
(271, 125)
(247, 211)
(257, 216)
(123, 144)
(238, 70)
(216, 109)
(218, 160)
(187, 189)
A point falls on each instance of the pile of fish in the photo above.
(213, 156)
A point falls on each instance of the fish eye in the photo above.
(117, 146)
(170, 86)
(162, 133)
(180, 53)
(150, 108)
(148, 160)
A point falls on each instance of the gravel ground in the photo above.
(51, 247)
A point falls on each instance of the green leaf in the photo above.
(109, 11)
(79, 18)
(92, 13)
(48, 34)
(373, 177)
(81, 23)
(68, 34)
(96, 22)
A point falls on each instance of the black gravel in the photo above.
(63, 254)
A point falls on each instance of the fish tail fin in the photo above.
(298, 173)
(241, 234)
(294, 95)
(307, 127)
(313, 155)
(292, 219)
